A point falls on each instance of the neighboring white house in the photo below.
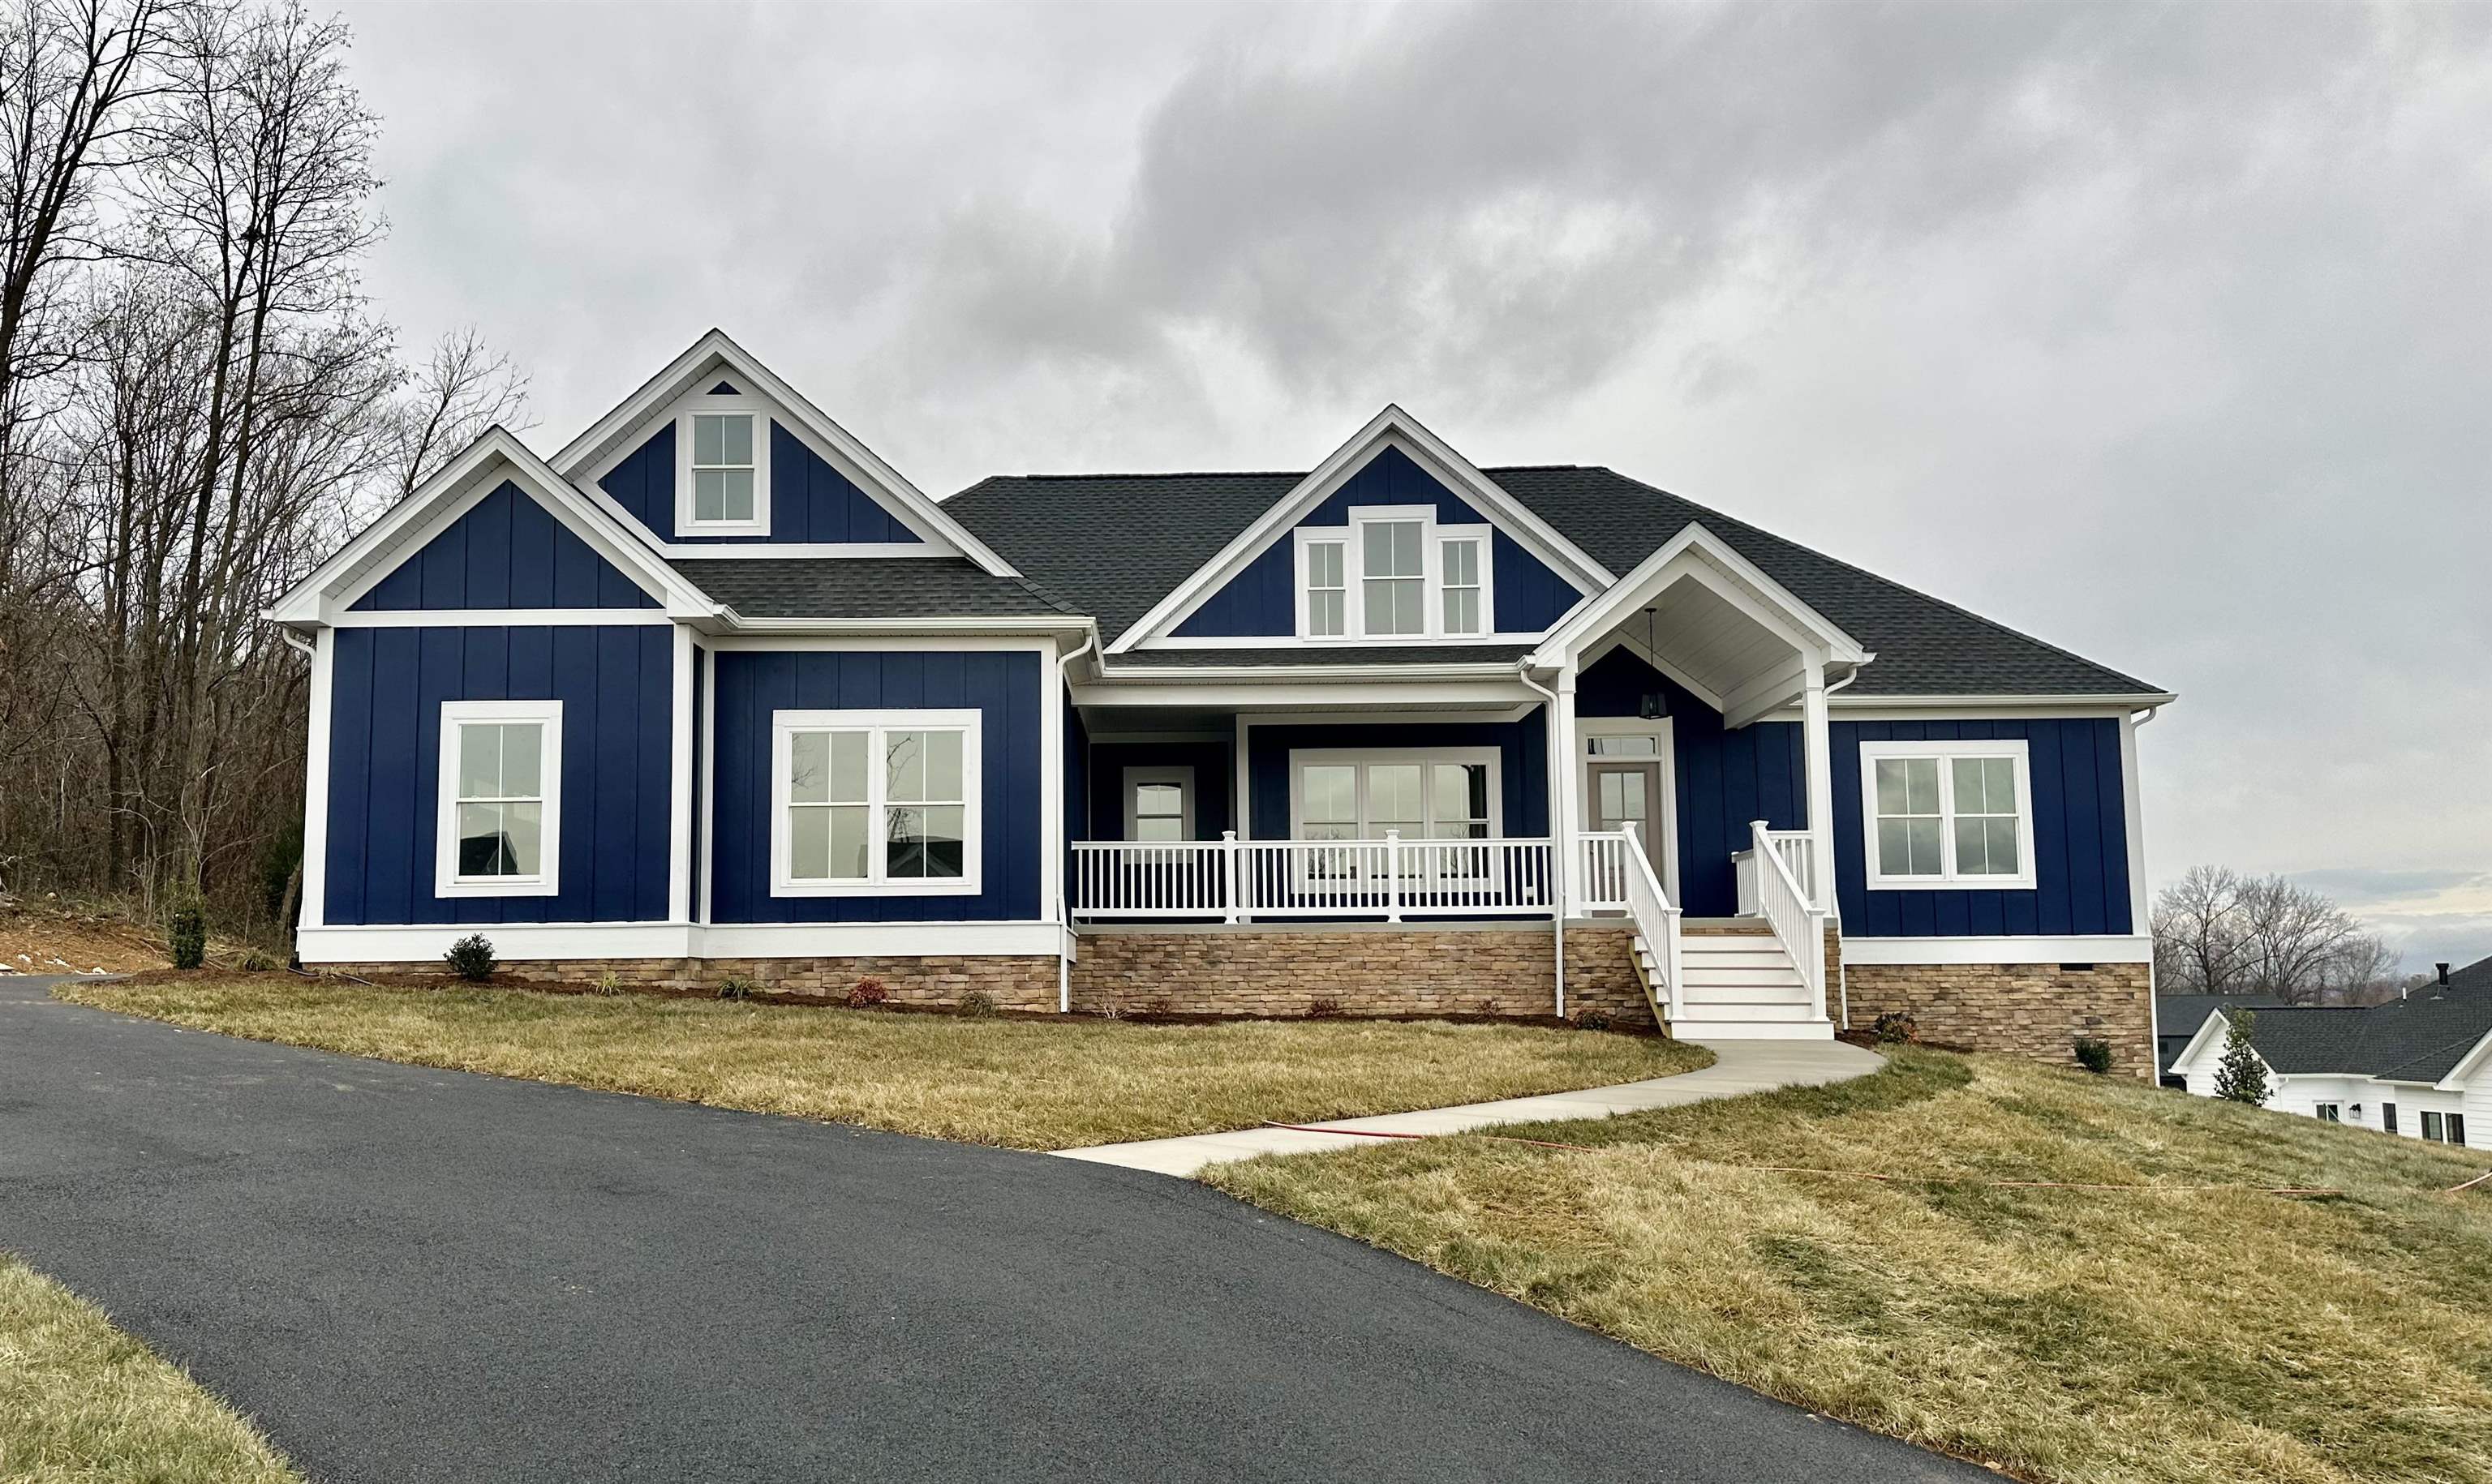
(2419, 1067)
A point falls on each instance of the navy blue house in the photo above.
(714, 689)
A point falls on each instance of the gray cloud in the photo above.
(2157, 330)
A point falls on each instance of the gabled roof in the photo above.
(762, 588)
(1166, 526)
(715, 356)
(495, 457)
(2422, 1038)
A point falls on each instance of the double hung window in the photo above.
(498, 831)
(1392, 573)
(1947, 813)
(722, 467)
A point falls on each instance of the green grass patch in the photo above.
(1023, 1082)
(82, 1403)
(2061, 1334)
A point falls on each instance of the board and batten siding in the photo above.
(809, 500)
(1262, 601)
(1005, 685)
(386, 689)
(1723, 779)
(2078, 837)
(1523, 764)
(507, 551)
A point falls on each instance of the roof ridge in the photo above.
(1823, 556)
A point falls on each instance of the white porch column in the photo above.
(1565, 786)
(1817, 738)
(679, 815)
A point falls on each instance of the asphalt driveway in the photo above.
(414, 1275)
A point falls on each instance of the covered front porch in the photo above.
(1662, 755)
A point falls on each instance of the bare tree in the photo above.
(2218, 932)
(463, 389)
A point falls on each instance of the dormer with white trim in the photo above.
(1395, 540)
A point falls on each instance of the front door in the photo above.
(1628, 791)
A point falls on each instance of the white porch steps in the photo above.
(1735, 985)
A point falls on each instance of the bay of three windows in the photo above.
(1395, 576)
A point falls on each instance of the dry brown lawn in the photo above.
(1023, 1082)
(82, 1403)
(2061, 1334)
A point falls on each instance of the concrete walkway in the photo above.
(1739, 1066)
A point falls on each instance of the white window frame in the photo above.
(1302, 758)
(970, 722)
(1947, 878)
(2330, 1111)
(547, 881)
(1136, 777)
(1353, 540)
(709, 405)
(1308, 542)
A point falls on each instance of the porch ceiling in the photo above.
(1708, 643)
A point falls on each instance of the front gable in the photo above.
(802, 486)
(507, 551)
(1250, 592)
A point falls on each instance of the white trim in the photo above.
(1339, 718)
(1665, 737)
(459, 487)
(1364, 758)
(524, 941)
(940, 642)
(1478, 692)
(501, 618)
(313, 909)
(715, 354)
(1152, 647)
(1620, 639)
(970, 722)
(1180, 774)
(1240, 817)
(2141, 911)
(2209, 1030)
(1878, 708)
(546, 881)
(1945, 751)
(1713, 562)
(708, 780)
(679, 812)
(699, 404)
(894, 634)
(705, 551)
(1392, 428)
(2082, 949)
(1050, 793)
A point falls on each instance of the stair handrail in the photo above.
(1799, 925)
(1655, 917)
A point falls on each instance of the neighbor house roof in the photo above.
(2418, 1039)
(1111, 545)
(2178, 1018)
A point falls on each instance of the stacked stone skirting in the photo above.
(1387, 970)
(2036, 1010)
(1015, 983)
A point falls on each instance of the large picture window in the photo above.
(1947, 813)
(869, 802)
(499, 827)
(1393, 574)
(1426, 794)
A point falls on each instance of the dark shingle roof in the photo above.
(2178, 1017)
(2418, 1039)
(864, 588)
(1114, 544)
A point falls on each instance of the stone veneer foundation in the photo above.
(1015, 983)
(2036, 1010)
(1381, 969)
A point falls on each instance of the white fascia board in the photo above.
(2210, 1033)
(2468, 1067)
(460, 485)
(2005, 702)
(1032, 623)
(1394, 428)
(1475, 692)
(2080, 948)
(1766, 601)
(729, 551)
(842, 449)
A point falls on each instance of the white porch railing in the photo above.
(1797, 925)
(1604, 880)
(1796, 847)
(1231, 880)
(1656, 920)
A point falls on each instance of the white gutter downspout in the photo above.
(1063, 900)
(1833, 904)
(1561, 756)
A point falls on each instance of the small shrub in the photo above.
(471, 958)
(2240, 1077)
(258, 961)
(1593, 1018)
(1489, 1006)
(1324, 1009)
(187, 936)
(866, 992)
(977, 1004)
(2093, 1055)
(1896, 1028)
(1160, 1006)
(610, 983)
(735, 986)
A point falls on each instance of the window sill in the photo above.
(503, 887)
(1951, 884)
(938, 888)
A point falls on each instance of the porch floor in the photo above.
(1739, 1067)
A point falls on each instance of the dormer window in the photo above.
(1394, 576)
(722, 468)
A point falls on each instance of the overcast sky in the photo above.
(2162, 333)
